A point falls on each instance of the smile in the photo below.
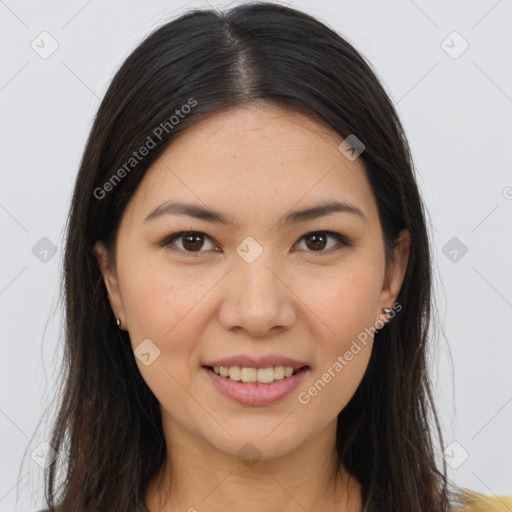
(259, 375)
(255, 386)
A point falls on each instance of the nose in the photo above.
(256, 299)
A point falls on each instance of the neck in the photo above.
(198, 477)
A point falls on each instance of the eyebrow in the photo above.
(293, 217)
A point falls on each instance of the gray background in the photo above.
(456, 109)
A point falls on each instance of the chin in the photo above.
(254, 440)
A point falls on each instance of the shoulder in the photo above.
(471, 501)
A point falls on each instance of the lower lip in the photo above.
(256, 394)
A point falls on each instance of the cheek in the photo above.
(346, 305)
(160, 300)
(335, 380)
(346, 300)
(341, 367)
(166, 311)
(158, 311)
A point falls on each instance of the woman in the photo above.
(247, 283)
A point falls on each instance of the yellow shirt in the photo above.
(476, 502)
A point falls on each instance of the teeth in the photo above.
(278, 372)
(249, 374)
(261, 375)
(265, 375)
(235, 372)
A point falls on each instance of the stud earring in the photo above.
(118, 321)
(387, 311)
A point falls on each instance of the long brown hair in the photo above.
(109, 424)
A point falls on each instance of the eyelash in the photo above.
(344, 242)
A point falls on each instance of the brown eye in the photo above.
(317, 241)
(191, 241)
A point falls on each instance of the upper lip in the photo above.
(257, 362)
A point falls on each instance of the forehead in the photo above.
(257, 158)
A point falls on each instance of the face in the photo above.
(257, 291)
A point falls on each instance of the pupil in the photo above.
(194, 244)
(318, 238)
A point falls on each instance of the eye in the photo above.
(193, 241)
(318, 240)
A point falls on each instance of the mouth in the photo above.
(248, 375)
(256, 387)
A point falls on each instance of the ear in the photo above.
(395, 273)
(111, 281)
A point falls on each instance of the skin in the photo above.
(297, 299)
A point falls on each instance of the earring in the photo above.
(387, 311)
(118, 321)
